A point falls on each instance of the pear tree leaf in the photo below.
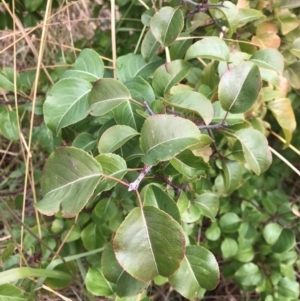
(9, 125)
(107, 94)
(248, 275)
(113, 166)
(168, 75)
(85, 141)
(189, 165)
(255, 149)
(269, 59)
(149, 46)
(66, 103)
(231, 119)
(239, 88)
(114, 137)
(97, 284)
(165, 136)
(88, 66)
(212, 48)
(232, 175)
(288, 288)
(133, 65)
(283, 112)
(208, 203)
(113, 272)
(149, 243)
(154, 196)
(199, 269)
(166, 25)
(247, 15)
(69, 179)
(195, 102)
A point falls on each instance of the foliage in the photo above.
(160, 172)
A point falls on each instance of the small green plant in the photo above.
(163, 174)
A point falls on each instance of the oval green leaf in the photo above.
(115, 137)
(212, 48)
(208, 203)
(107, 94)
(269, 59)
(199, 269)
(168, 75)
(154, 196)
(149, 243)
(232, 175)
(149, 46)
(165, 136)
(166, 25)
(239, 88)
(88, 66)
(69, 179)
(248, 275)
(66, 103)
(9, 125)
(195, 102)
(255, 149)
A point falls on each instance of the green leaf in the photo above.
(9, 292)
(166, 25)
(125, 114)
(191, 214)
(15, 274)
(165, 136)
(154, 196)
(213, 232)
(113, 166)
(290, 4)
(199, 269)
(107, 94)
(288, 288)
(179, 48)
(133, 65)
(239, 88)
(195, 102)
(140, 90)
(113, 272)
(92, 237)
(9, 125)
(230, 222)
(66, 103)
(255, 149)
(233, 172)
(5, 82)
(149, 46)
(69, 178)
(231, 14)
(212, 48)
(283, 112)
(115, 137)
(32, 5)
(229, 248)
(269, 59)
(247, 15)
(285, 242)
(105, 210)
(189, 165)
(84, 141)
(88, 66)
(97, 284)
(208, 203)
(149, 243)
(292, 73)
(248, 274)
(231, 119)
(168, 75)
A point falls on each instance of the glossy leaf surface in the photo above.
(239, 88)
(166, 25)
(107, 94)
(68, 175)
(212, 48)
(66, 103)
(149, 243)
(255, 148)
(164, 136)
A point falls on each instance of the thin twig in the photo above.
(214, 126)
(150, 112)
(210, 133)
(135, 185)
